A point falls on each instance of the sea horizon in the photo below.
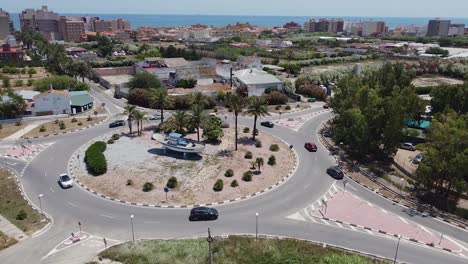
(177, 20)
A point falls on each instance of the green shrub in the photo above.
(148, 186)
(62, 125)
(95, 159)
(276, 98)
(272, 160)
(258, 143)
(247, 176)
(74, 120)
(218, 186)
(278, 107)
(424, 90)
(129, 182)
(18, 122)
(115, 136)
(21, 215)
(42, 129)
(248, 155)
(234, 184)
(287, 107)
(172, 182)
(274, 148)
(110, 141)
(80, 124)
(229, 173)
(246, 130)
(18, 83)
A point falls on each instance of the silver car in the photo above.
(65, 181)
(418, 158)
(408, 146)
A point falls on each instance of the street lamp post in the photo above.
(133, 232)
(401, 186)
(256, 226)
(40, 204)
(396, 252)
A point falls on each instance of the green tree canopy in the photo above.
(60, 82)
(144, 80)
(11, 104)
(447, 97)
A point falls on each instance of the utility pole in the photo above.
(210, 240)
(230, 76)
(256, 226)
(396, 253)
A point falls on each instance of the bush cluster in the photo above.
(248, 155)
(247, 176)
(276, 98)
(21, 215)
(258, 143)
(229, 173)
(62, 125)
(115, 136)
(218, 186)
(246, 130)
(288, 107)
(147, 187)
(172, 182)
(190, 83)
(95, 159)
(274, 148)
(234, 184)
(272, 160)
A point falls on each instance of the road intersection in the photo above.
(102, 218)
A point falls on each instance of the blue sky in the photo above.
(382, 8)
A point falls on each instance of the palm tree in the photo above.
(197, 117)
(139, 115)
(160, 99)
(259, 162)
(129, 110)
(237, 104)
(179, 121)
(257, 107)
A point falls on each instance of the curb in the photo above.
(284, 179)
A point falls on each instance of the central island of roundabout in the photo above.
(176, 170)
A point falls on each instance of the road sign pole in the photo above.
(79, 225)
(210, 240)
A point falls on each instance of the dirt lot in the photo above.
(41, 73)
(8, 129)
(143, 160)
(435, 81)
(53, 127)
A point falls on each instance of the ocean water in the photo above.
(138, 20)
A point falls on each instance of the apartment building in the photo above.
(324, 25)
(438, 28)
(5, 24)
(42, 21)
(111, 25)
(373, 28)
(72, 30)
(457, 30)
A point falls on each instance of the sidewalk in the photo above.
(11, 230)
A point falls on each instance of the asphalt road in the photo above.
(112, 220)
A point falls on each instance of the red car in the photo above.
(326, 106)
(311, 147)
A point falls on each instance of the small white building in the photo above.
(257, 81)
(52, 102)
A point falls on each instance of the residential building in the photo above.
(373, 28)
(42, 21)
(111, 25)
(457, 30)
(438, 28)
(257, 81)
(324, 25)
(51, 102)
(8, 53)
(80, 101)
(10, 40)
(5, 24)
(72, 30)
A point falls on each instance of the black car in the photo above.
(117, 123)
(203, 214)
(335, 172)
(267, 124)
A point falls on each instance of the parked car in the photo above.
(311, 147)
(326, 106)
(267, 124)
(65, 181)
(335, 172)
(155, 117)
(408, 146)
(117, 123)
(418, 158)
(203, 214)
(328, 133)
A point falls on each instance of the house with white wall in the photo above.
(257, 81)
(52, 102)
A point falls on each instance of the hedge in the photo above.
(95, 159)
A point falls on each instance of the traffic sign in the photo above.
(166, 189)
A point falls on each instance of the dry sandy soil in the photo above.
(435, 81)
(51, 127)
(143, 160)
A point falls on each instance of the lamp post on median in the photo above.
(396, 253)
(133, 233)
(40, 205)
(401, 187)
(256, 226)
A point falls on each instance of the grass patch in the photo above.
(6, 241)
(12, 203)
(231, 250)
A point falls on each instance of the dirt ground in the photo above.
(296, 106)
(435, 81)
(51, 127)
(405, 159)
(8, 129)
(142, 160)
(41, 73)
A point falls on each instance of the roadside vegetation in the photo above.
(14, 208)
(231, 250)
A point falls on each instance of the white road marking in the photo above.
(461, 255)
(422, 227)
(455, 242)
(107, 216)
(325, 222)
(351, 186)
(52, 190)
(11, 163)
(384, 211)
(72, 205)
(352, 227)
(338, 224)
(306, 186)
(368, 231)
(402, 219)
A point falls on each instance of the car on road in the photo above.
(335, 172)
(408, 146)
(311, 147)
(418, 158)
(65, 181)
(326, 106)
(117, 123)
(267, 124)
(155, 117)
(203, 214)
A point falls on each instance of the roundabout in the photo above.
(108, 219)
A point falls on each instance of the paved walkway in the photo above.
(18, 134)
(11, 230)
